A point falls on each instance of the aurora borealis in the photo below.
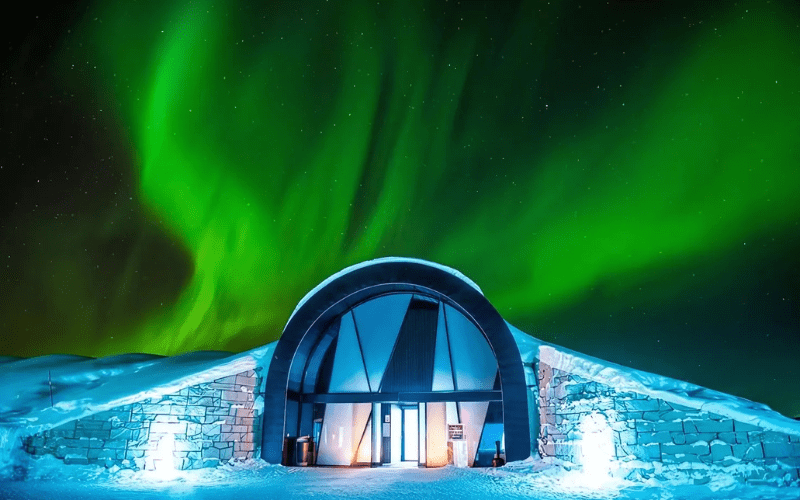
(621, 179)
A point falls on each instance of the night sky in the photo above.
(622, 179)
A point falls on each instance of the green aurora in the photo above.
(551, 153)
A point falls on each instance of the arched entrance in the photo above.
(381, 361)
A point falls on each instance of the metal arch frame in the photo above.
(286, 369)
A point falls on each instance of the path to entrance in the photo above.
(256, 480)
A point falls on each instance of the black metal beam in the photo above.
(396, 397)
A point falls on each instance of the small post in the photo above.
(50, 383)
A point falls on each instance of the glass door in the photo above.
(410, 445)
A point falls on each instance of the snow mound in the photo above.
(671, 390)
(47, 391)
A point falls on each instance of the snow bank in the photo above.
(40, 393)
(656, 386)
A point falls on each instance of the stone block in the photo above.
(789, 462)
(243, 446)
(155, 408)
(643, 405)
(652, 451)
(76, 458)
(123, 434)
(777, 450)
(84, 424)
(244, 412)
(211, 429)
(697, 448)
(210, 452)
(201, 401)
(175, 400)
(188, 445)
(200, 390)
(195, 411)
(745, 427)
(713, 426)
(733, 437)
(37, 440)
(224, 412)
(625, 450)
(678, 437)
(245, 381)
(659, 426)
(655, 437)
(132, 454)
(752, 452)
(217, 386)
(693, 438)
(178, 410)
(626, 437)
(167, 428)
(193, 429)
(93, 433)
(210, 462)
(226, 454)
(653, 416)
(720, 450)
(96, 443)
(104, 453)
(234, 396)
(77, 442)
(774, 437)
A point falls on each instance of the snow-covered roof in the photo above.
(82, 386)
(671, 390)
(382, 260)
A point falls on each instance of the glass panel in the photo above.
(376, 433)
(361, 412)
(364, 455)
(492, 433)
(348, 369)
(473, 359)
(422, 432)
(396, 428)
(379, 322)
(436, 432)
(442, 372)
(473, 416)
(336, 440)
(410, 434)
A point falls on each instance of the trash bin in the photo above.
(288, 451)
(302, 453)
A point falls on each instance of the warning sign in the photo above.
(455, 432)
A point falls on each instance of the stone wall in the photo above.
(198, 426)
(643, 436)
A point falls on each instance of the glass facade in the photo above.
(403, 379)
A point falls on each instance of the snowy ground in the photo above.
(256, 479)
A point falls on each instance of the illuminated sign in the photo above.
(455, 432)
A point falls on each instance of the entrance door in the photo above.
(410, 437)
